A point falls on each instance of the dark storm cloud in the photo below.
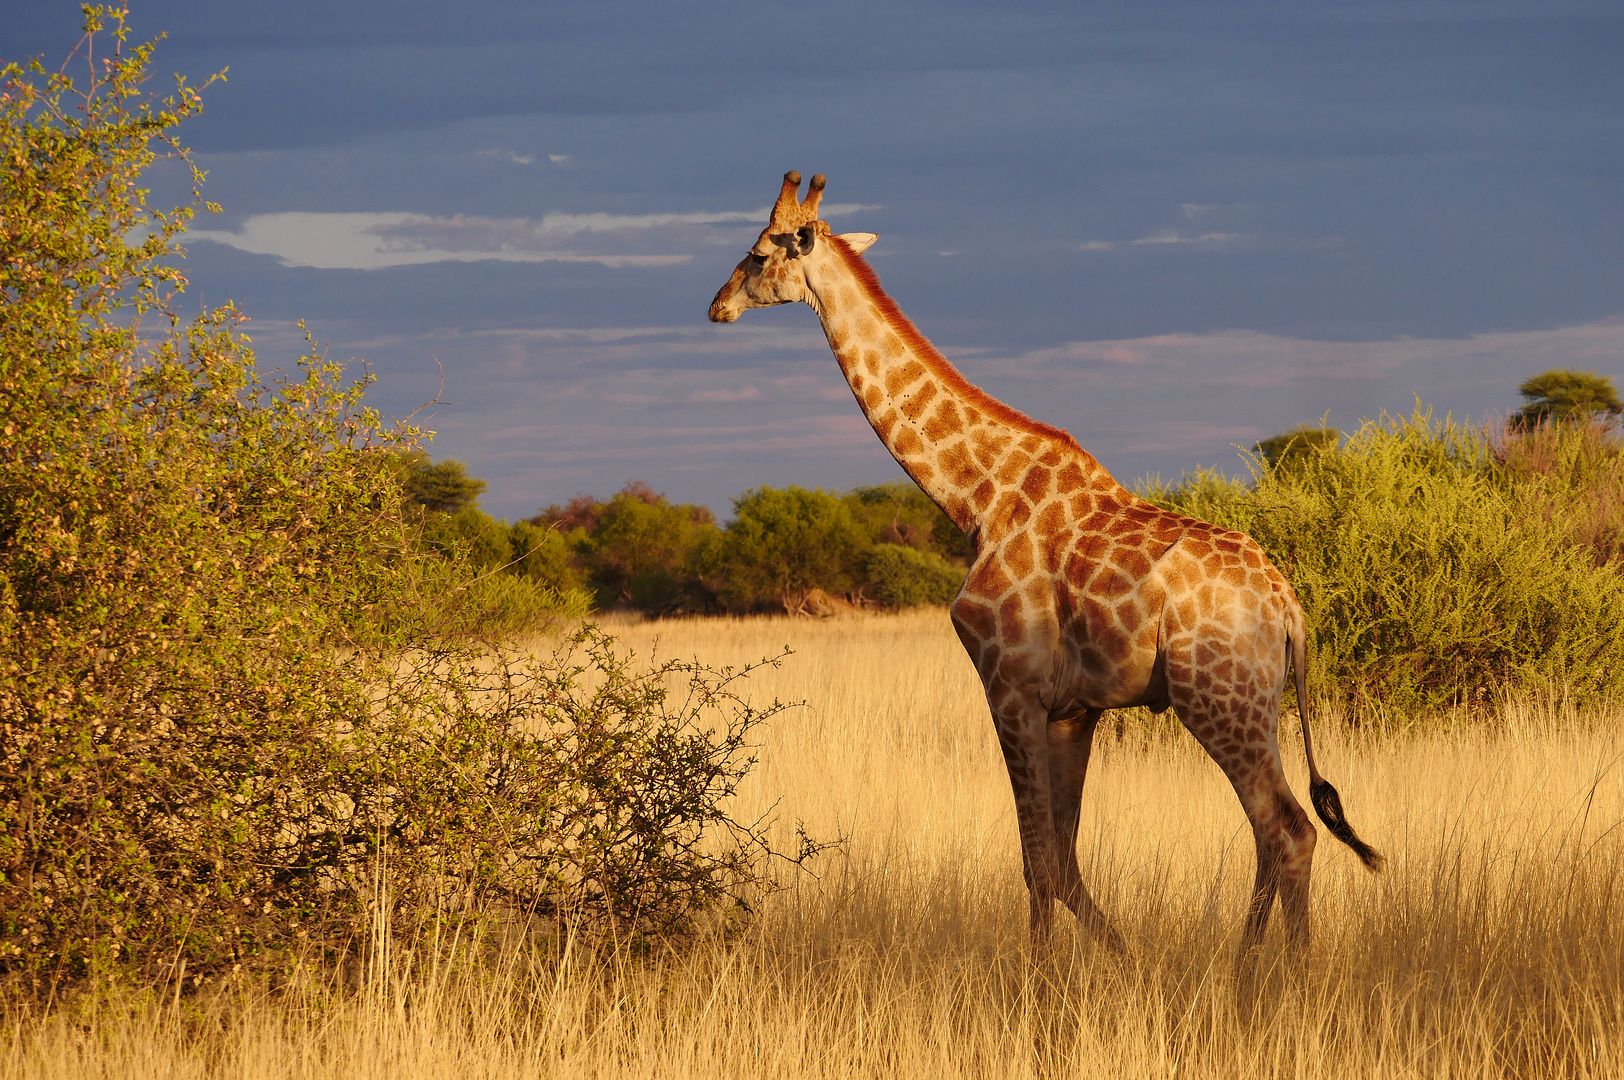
(308, 73)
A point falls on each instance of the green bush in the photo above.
(543, 556)
(440, 487)
(904, 577)
(641, 549)
(231, 720)
(471, 534)
(1424, 576)
(187, 552)
(500, 606)
(783, 543)
(523, 581)
(635, 549)
(582, 787)
(1570, 477)
(900, 513)
(1289, 448)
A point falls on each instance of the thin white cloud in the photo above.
(844, 434)
(1212, 241)
(372, 241)
(512, 157)
(375, 241)
(1163, 238)
(1244, 359)
(1168, 236)
(558, 159)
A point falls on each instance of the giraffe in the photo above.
(1081, 597)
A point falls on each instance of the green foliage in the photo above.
(442, 487)
(1289, 449)
(904, 577)
(900, 513)
(1424, 575)
(1205, 494)
(498, 605)
(641, 549)
(229, 718)
(1570, 478)
(522, 580)
(637, 548)
(1560, 396)
(186, 550)
(543, 556)
(483, 541)
(783, 543)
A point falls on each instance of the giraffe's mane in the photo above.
(943, 368)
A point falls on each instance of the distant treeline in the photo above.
(789, 549)
(1437, 563)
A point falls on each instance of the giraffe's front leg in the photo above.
(1070, 741)
(1022, 725)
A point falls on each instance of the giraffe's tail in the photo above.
(1327, 803)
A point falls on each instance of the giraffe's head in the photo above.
(774, 271)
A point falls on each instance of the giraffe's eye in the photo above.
(757, 260)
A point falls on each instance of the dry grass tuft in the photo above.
(1491, 947)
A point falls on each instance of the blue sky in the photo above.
(1170, 228)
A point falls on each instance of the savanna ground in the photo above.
(1490, 947)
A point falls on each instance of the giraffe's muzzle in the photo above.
(726, 307)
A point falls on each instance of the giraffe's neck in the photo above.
(961, 445)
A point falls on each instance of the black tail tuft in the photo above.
(1328, 804)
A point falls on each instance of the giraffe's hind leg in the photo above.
(1241, 737)
(1070, 741)
(1285, 857)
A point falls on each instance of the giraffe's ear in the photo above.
(858, 241)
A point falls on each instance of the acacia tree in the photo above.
(1561, 396)
(440, 487)
(1292, 448)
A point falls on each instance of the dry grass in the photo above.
(1489, 948)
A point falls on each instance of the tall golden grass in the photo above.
(1490, 947)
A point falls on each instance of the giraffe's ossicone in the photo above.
(1081, 597)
